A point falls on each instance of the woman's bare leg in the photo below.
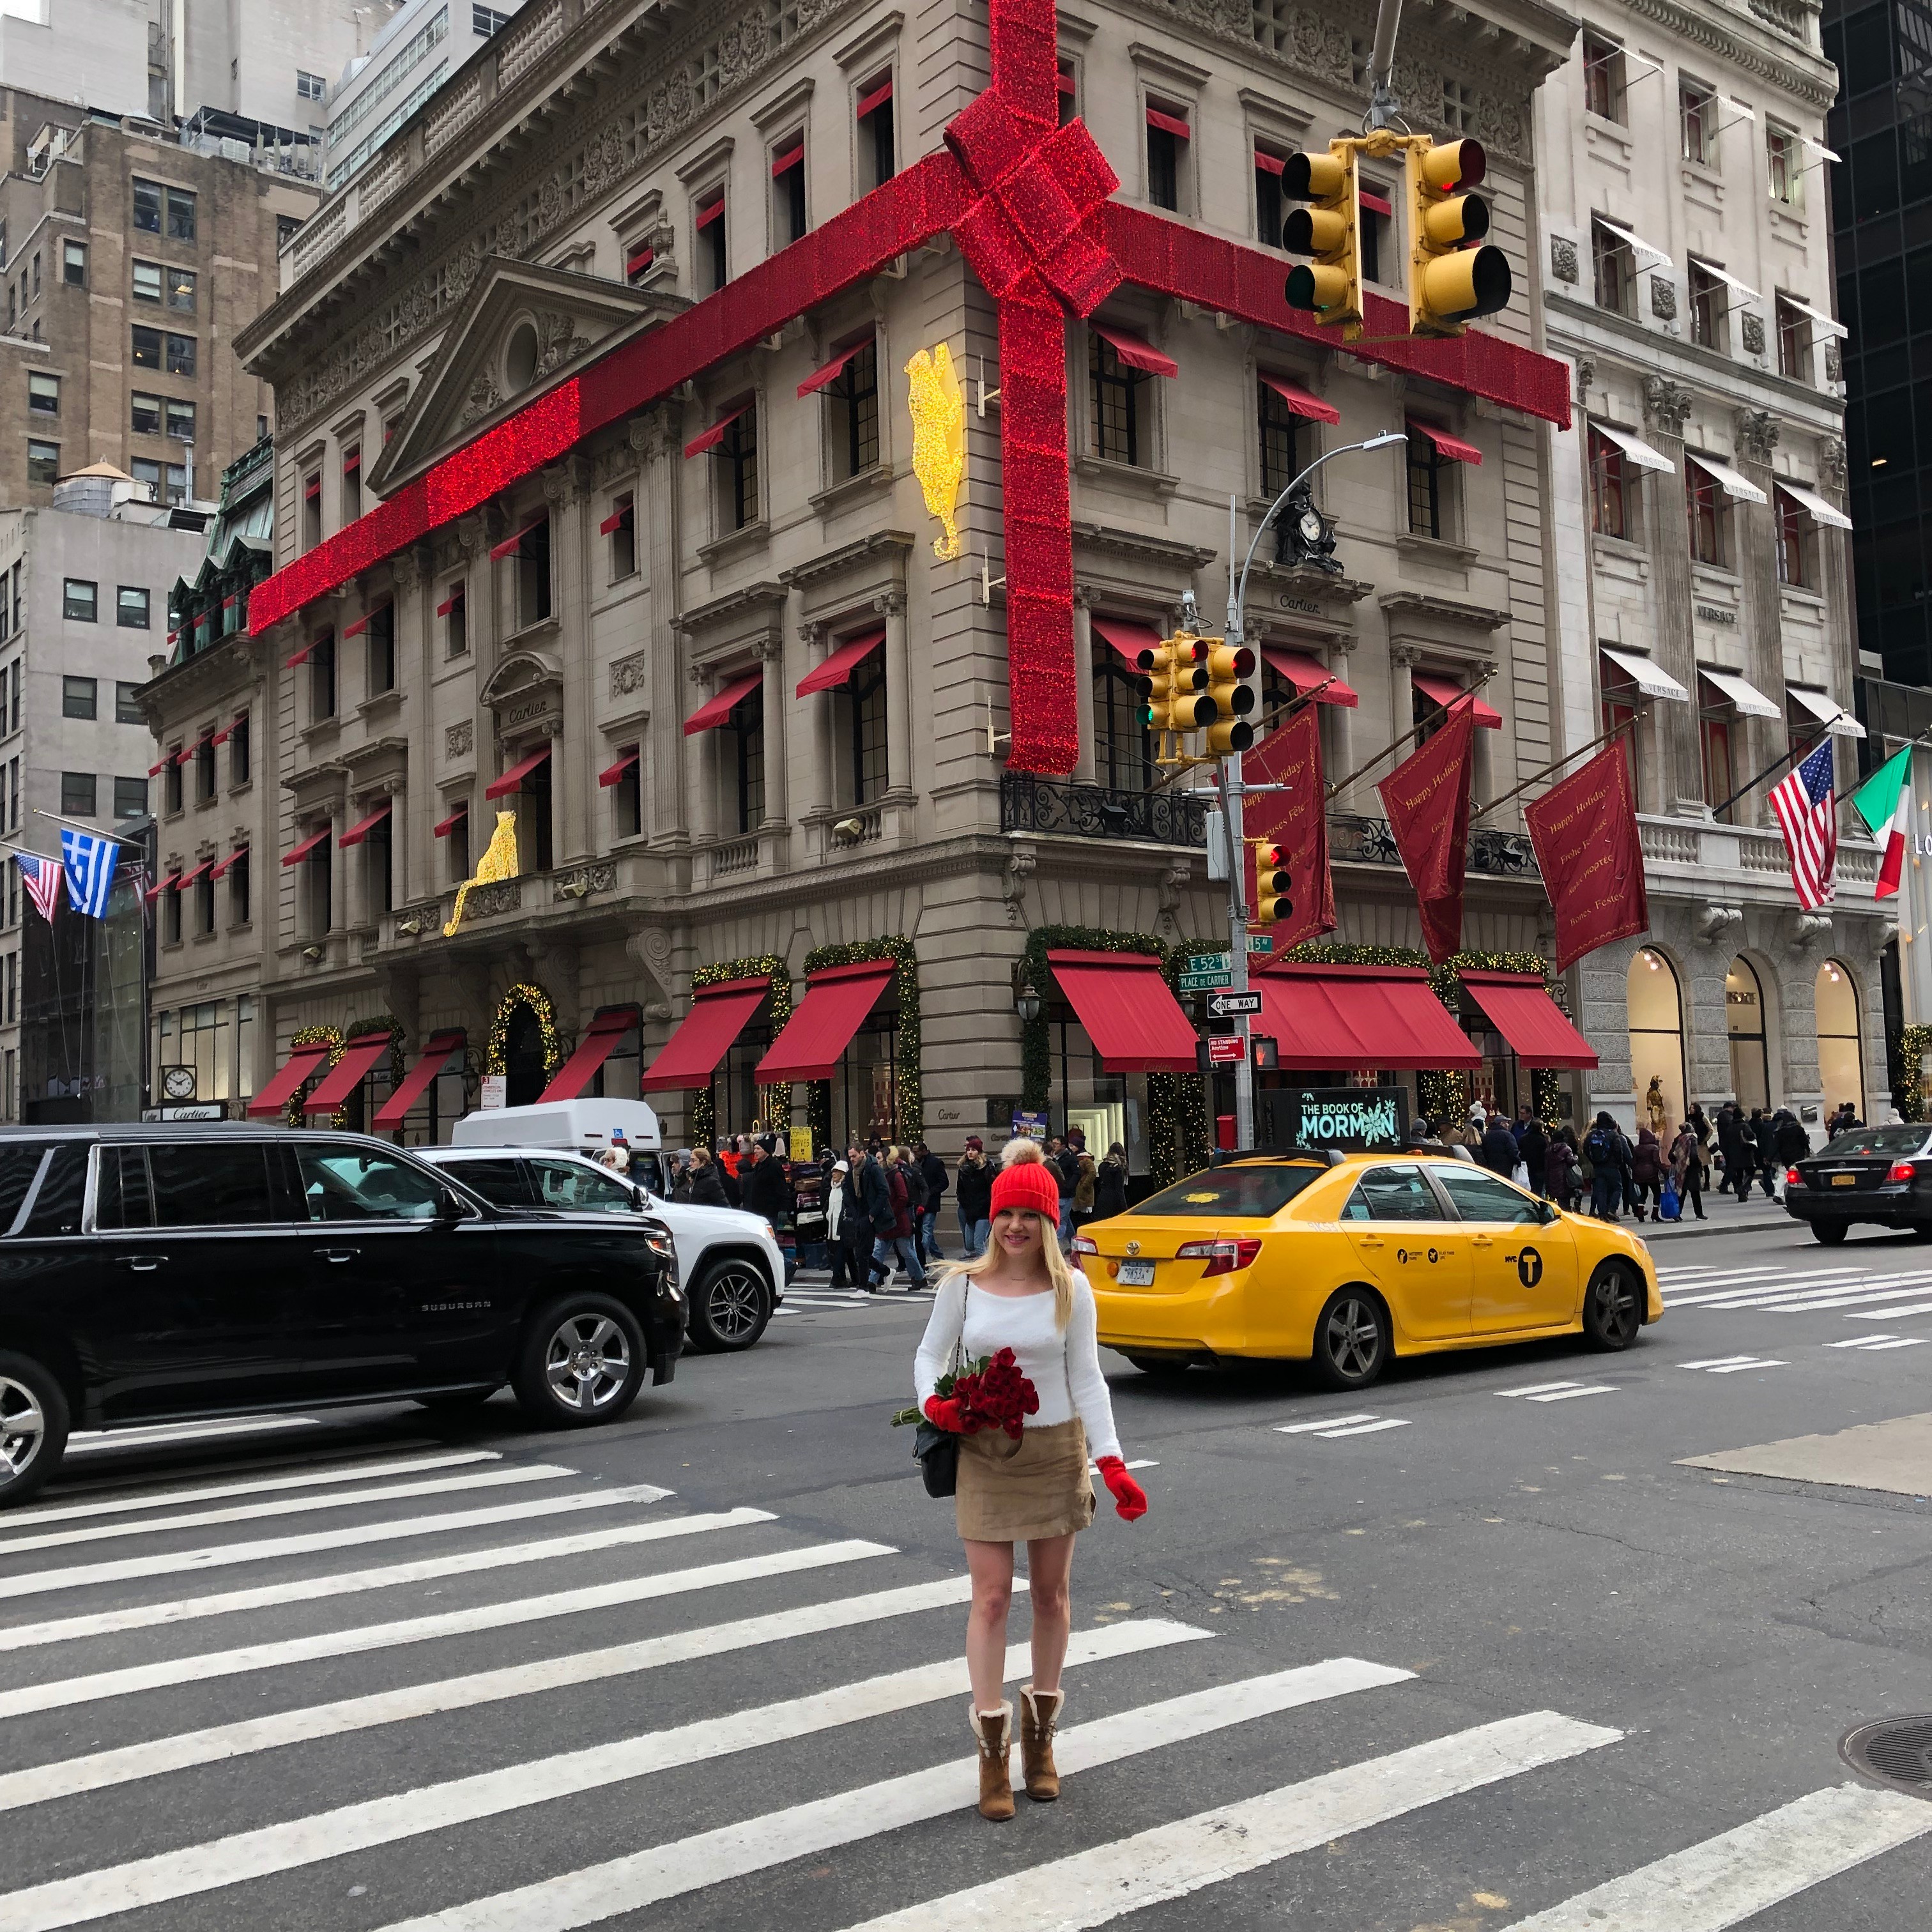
(990, 1566)
(1049, 1574)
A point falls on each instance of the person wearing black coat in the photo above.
(1760, 1146)
(1533, 1149)
(707, 1188)
(1790, 1138)
(1110, 1183)
(1498, 1152)
(766, 1187)
(972, 1196)
(1731, 1145)
(932, 1172)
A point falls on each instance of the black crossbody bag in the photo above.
(937, 1450)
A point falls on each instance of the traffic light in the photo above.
(1451, 279)
(1193, 708)
(1156, 663)
(1330, 229)
(1271, 899)
(1229, 666)
(1176, 669)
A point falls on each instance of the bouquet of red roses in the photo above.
(991, 1394)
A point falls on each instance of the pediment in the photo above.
(520, 329)
(523, 673)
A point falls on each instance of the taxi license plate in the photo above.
(1137, 1274)
(1844, 1181)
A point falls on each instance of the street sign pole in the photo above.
(1230, 777)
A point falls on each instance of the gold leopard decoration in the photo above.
(499, 861)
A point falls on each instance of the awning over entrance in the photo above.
(1529, 1019)
(1441, 690)
(1134, 1020)
(836, 1001)
(434, 1058)
(838, 668)
(715, 708)
(1309, 675)
(1652, 680)
(513, 779)
(600, 1039)
(360, 1054)
(293, 1071)
(1128, 635)
(705, 1034)
(1359, 1017)
(1746, 700)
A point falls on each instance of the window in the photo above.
(1715, 722)
(322, 678)
(1783, 165)
(131, 797)
(621, 524)
(1428, 488)
(37, 274)
(1483, 1197)
(319, 867)
(144, 414)
(171, 781)
(80, 600)
(311, 510)
(239, 765)
(308, 86)
(204, 903)
(1614, 266)
(747, 728)
(74, 264)
(1611, 479)
(711, 248)
(852, 414)
(452, 610)
(383, 650)
(181, 421)
(486, 21)
(147, 206)
(379, 867)
(1708, 308)
(13, 697)
(80, 698)
(1167, 133)
(148, 281)
(1603, 77)
(1115, 390)
(204, 771)
(1705, 505)
(238, 891)
(77, 790)
(181, 290)
(147, 348)
(1459, 107)
(457, 841)
(788, 190)
(168, 482)
(1285, 438)
(863, 703)
(180, 355)
(1269, 212)
(127, 703)
(531, 563)
(1794, 539)
(1622, 702)
(287, 227)
(180, 215)
(877, 161)
(571, 1186)
(1697, 120)
(42, 461)
(171, 916)
(628, 802)
(1794, 342)
(43, 394)
(130, 609)
(1392, 1194)
(1375, 235)
(739, 469)
(1122, 751)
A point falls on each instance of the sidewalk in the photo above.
(1723, 1215)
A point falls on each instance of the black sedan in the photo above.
(1883, 1175)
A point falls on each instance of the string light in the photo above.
(908, 1098)
(532, 999)
(703, 1113)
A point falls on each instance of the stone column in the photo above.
(892, 605)
(777, 718)
(1680, 759)
(1084, 765)
(701, 793)
(409, 837)
(1754, 526)
(566, 488)
(1338, 748)
(673, 764)
(1402, 719)
(821, 790)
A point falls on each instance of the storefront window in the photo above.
(1656, 1012)
(1750, 1060)
(865, 1089)
(1841, 1056)
(1106, 1107)
(617, 1079)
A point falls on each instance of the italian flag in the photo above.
(1884, 802)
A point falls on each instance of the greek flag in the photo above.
(90, 870)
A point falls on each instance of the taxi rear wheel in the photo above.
(1351, 1339)
(1613, 1308)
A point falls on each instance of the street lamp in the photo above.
(1026, 1001)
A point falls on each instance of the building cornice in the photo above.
(1805, 75)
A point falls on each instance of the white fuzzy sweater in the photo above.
(1064, 1365)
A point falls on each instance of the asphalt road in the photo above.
(1507, 1661)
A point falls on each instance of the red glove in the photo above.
(1129, 1498)
(944, 1412)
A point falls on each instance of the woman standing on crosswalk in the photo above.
(1020, 1294)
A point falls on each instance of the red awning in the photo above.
(1359, 1017)
(1452, 447)
(1134, 1022)
(429, 1062)
(707, 216)
(227, 865)
(313, 644)
(828, 372)
(307, 846)
(1441, 690)
(449, 825)
(187, 879)
(718, 1014)
(362, 828)
(1135, 352)
(513, 779)
(154, 771)
(351, 462)
(1381, 204)
(302, 1062)
(836, 1001)
(611, 774)
(361, 623)
(343, 1078)
(1300, 401)
(714, 435)
(879, 96)
(510, 544)
(1526, 1015)
(841, 665)
(1268, 163)
(1128, 635)
(160, 886)
(784, 164)
(450, 602)
(312, 489)
(1308, 674)
(615, 521)
(1170, 124)
(599, 1042)
(227, 732)
(717, 708)
(637, 263)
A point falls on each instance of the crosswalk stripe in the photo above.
(1326, 1422)
(1904, 1314)
(58, 1692)
(1171, 1861)
(296, 1842)
(221, 1742)
(685, 1865)
(1719, 1362)
(300, 1505)
(1366, 1428)
(1841, 1297)
(1739, 1873)
(39, 1583)
(350, 1582)
(1540, 1388)
(1739, 1368)
(163, 1435)
(1882, 1344)
(120, 1504)
(1760, 1292)
(1571, 1394)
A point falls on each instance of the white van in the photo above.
(730, 1262)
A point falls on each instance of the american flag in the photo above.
(1808, 816)
(42, 878)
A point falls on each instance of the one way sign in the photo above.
(1226, 1005)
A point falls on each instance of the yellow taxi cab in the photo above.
(1347, 1259)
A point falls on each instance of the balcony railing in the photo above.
(1167, 818)
(1369, 842)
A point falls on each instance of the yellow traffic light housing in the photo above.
(1192, 707)
(1451, 278)
(1328, 229)
(1228, 668)
(1176, 669)
(1156, 663)
(1271, 900)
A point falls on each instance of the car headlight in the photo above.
(771, 1233)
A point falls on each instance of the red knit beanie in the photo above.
(1024, 1181)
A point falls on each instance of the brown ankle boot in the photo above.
(1039, 1718)
(994, 1731)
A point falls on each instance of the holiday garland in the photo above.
(702, 1115)
(314, 1036)
(532, 999)
(1908, 1084)
(908, 1100)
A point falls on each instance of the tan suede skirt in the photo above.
(1012, 1492)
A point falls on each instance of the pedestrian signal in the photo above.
(1229, 666)
(1328, 229)
(1451, 279)
(1271, 899)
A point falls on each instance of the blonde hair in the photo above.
(1020, 1150)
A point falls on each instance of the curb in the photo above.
(1716, 1223)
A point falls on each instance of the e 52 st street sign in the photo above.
(1226, 1006)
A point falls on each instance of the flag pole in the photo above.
(1615, 730)
(1341, 785)
(93, 831)
(1791, 756)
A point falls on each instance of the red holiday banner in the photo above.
(1426, 797)
(1584, 828)
(1296, 820)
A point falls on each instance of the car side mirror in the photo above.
(447, 1207)
(1547, 1212)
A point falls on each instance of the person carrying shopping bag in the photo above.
(1028, 1485)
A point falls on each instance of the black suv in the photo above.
(164, 1273)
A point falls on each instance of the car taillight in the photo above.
(1903, 1170)
(1792, 1178)
(1084, 1244)
(1222, 1257)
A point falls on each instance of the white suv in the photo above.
(730, 1262)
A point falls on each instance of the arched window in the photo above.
(1840, 1052)
(1751, 1060)
(1656, 1010)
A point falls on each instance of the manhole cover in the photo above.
(1896, 1751)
